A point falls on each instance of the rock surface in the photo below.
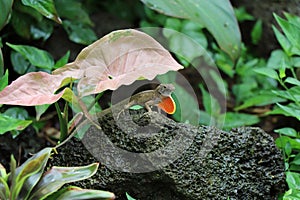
(157, 158)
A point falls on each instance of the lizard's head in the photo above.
(165, 89)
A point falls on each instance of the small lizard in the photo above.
(160, 97)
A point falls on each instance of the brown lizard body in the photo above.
(146, 99)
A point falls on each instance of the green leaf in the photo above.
(4, 80)
(276, 59)
(21, 24)
(290, 30)
(29, 173)
(56, 177)
(282, 140)
(73, 192)
(36, 57)
(45, 7)
(211, 105)
(6, 7)
(288, 149)
(79, 33)
(242, 15)
(129, 197)
(41, 30)
(292, 81)
(73, 10)
(17, 112)
(173, 23)
(296, 160)
(283, 41)
(78, 194)
(271, 73)
(62, 61)
(261, 99)
(41, 109)
(291, 194)
(291, 110)
(217, 16)
(1, 62)
(287, 131)
(256, 32)
(184, 47)
(9, 123)
(4, 189)
(233, 120)
(293, 180)
(20, 64)
(292, 93)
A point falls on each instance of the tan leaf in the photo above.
(118, 58)
(31, 89)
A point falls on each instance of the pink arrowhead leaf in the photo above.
(119, 58)
(32, 89)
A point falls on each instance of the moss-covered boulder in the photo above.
(157, 158)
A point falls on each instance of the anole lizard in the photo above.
(160, 97)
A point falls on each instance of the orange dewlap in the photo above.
(168, 105)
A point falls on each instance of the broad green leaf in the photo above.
(173, 23)
(256, 32)
(79, 33)
(293, 180)
(6, 7)
(292, 81)
(242, 15)
(288, 149)
(82, 194)
(1, 61)
(294, 19)
(287, 131)
(41, 30)
(73, 10)
(45, 7)
(73, 192)
(21, 24)
(37, 57)
(290, 30)
(271, 73)
(211, 105)
(296, 160)
(29, 173)
(4, 80)
(56, 177)
(282, 140)
(9, 123)
(41, 109)
(217, 16)
(129, 197)
(62, 61)
(291, 110)
(276, 59)
(233, 120)
(17, 112)
(20, 64)
(292, 93)
(291, 194)
(184, 46)
(206, 119)
(261, 99)
(4, 189)
(283, 41)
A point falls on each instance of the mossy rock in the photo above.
(163, 159)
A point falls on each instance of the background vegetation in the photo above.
(261, 91)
